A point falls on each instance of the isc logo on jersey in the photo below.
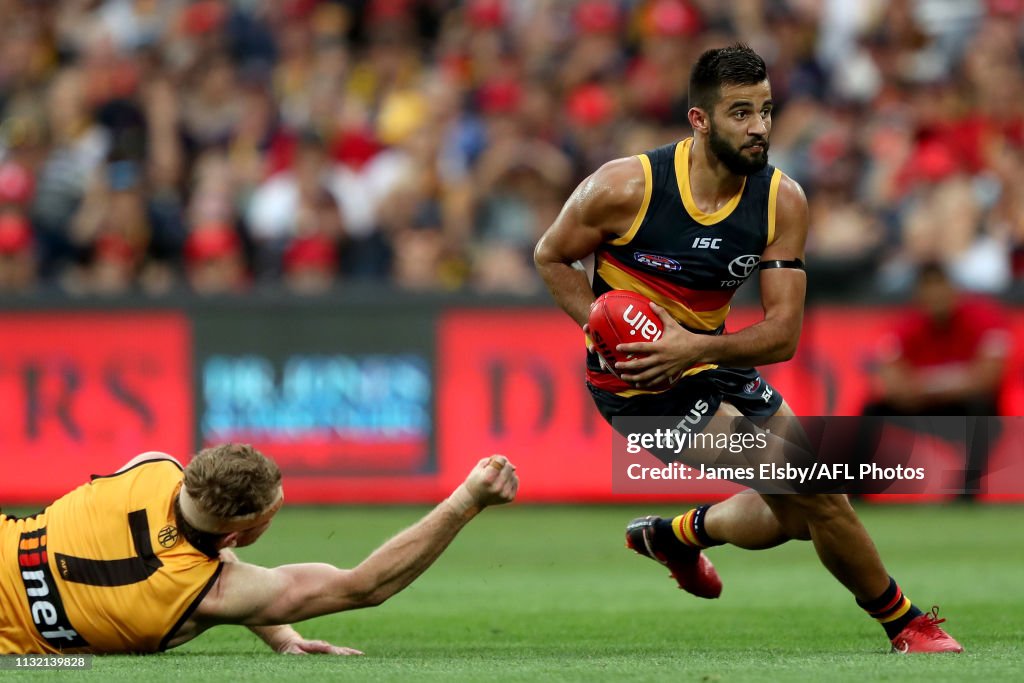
(640, 323)
(706, 242)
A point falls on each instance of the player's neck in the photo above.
(712, 185)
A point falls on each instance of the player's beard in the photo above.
(734, 159)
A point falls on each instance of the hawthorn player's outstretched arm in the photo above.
(250, 595)
(601, 208)
(772, 340)
(284, 639)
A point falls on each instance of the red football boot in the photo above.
(691, 569)
(923, 634)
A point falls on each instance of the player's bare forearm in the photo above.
(311, 590)
(772, 340)
(276, 637)
(285, 640)
(763, 343)
(397, 563)
(569, 287)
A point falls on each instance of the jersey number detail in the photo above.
(121, 572)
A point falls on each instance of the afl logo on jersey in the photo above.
(752, 386)
(168, 536)
(656, 261)
(743, 266)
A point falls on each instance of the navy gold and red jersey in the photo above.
(103, 569)
(689, 262)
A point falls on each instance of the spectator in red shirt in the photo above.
(948, 356)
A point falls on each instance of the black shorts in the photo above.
(699, 395)
(695, 399)
(691, 404)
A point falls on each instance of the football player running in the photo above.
(686, 225)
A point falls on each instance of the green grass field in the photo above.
(550, 593)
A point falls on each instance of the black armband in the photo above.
(794, 263)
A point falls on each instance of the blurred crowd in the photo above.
(219, 146)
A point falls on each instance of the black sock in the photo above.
(688, 529)
(891, 609)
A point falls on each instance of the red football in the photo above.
(620, 317)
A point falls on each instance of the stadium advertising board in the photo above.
(341, 399)
(363, 408)
(512, 382)
(84, 392)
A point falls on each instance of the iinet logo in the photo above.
(641, 324)
(44, 603)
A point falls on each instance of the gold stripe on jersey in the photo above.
(696, 320)
(648, 191)
(682, 162)
(773, 199)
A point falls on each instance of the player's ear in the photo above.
(229, 540)
(700, 120)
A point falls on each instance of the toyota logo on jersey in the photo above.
(743, 266)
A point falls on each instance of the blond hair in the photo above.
(232, 479)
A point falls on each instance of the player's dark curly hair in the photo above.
(733, 65)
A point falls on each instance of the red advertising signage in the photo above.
(84, 393)
(393, 410)
(511, 382)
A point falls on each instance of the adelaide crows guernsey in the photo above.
(687, 261)
(103, 569)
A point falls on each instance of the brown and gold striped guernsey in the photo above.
(103, 569)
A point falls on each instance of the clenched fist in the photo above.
(492, 481)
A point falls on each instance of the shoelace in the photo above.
(932, 623)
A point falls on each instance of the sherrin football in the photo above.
(621, 317)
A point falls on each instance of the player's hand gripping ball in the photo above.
(621, 317)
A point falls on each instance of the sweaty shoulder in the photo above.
(792, 200)
(789, 221)
(612, 196)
